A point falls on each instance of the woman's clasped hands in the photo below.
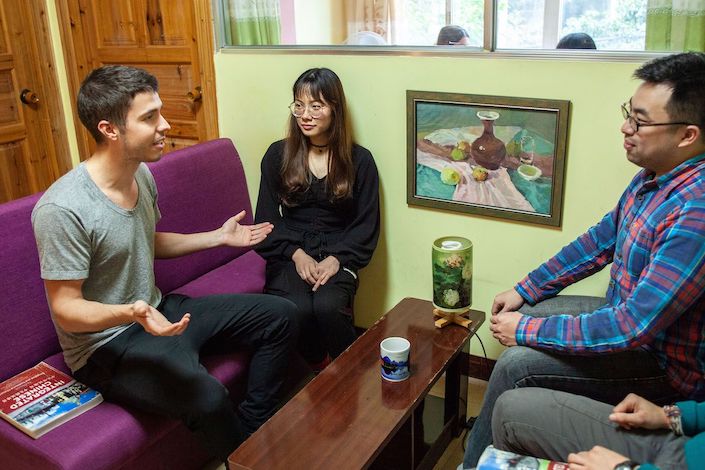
(313, 272)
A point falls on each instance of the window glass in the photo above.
(520, 24)
(423, 20)
(615, 25)
(471, 15)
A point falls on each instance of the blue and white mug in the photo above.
(394, 355)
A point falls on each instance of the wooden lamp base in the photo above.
(446, 318)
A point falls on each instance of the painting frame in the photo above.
(527, 184)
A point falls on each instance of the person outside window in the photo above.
(576, 41)
(453, 35)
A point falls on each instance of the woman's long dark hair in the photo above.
(319, 83)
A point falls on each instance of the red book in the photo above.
(41, 398)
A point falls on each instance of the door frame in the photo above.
(76, 56)
(50, 84)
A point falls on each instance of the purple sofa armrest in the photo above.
(27, 335)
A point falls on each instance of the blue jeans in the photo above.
(605, 377)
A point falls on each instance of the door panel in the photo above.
(171, 29)
(114, 24)
(8, 99)
(33, 149)
(14, 181)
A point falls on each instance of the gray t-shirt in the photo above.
(81, 234)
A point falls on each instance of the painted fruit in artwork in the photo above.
(479, 173)
(450, 175)
(457, 154)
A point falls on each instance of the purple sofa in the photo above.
(199, 188)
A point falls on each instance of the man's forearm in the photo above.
(172, 245)
(85, 316)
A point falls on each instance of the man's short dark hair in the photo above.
(107, 93)
(684, 73)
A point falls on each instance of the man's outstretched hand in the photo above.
(234, 234)
(155, 323)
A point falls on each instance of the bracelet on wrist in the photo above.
(674, 419)
(627, 465)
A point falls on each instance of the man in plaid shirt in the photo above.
(648, 334)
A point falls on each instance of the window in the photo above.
(613, 25)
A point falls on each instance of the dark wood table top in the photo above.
(345, 416)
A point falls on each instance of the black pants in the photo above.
(325, 317)
(163, 374)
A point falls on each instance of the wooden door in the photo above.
(172, 39)
(33, 146)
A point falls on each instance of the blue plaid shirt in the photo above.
(655, 240)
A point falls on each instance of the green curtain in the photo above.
(251, 22)
(675, 25)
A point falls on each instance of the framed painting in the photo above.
(487, 155)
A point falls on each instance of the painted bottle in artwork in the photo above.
(487, 150)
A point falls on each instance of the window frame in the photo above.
(488, 49)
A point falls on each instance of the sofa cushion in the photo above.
(244, 275)
(217, 190)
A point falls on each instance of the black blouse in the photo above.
(347, 229)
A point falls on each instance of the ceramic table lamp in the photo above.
(451, 262)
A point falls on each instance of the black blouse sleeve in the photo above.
(282, 242)
(355, 248)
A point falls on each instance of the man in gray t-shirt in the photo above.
(95, 231)
(112, 244)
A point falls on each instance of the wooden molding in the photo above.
(204, 32)
(51, 82)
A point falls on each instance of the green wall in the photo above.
(254, 90)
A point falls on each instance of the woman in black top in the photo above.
(321, 192)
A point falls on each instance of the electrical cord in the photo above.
(471, 421)
(485, 364)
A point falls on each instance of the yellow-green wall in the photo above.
(254, 90)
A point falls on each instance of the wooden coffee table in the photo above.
(348, 417)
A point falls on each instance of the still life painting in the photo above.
(487, 155)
